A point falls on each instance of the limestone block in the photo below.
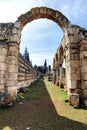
(84, 75)
(76, 30)
(75, 63)
(14, 44)
(3, 51)
(70, 57)
(12, 68)
(37, 10)
(74, 51)
(49, 11)
(73, 84)
(74, 99)
(12, 76)
(2, 74)
(83, 61)
(83, 69)
(74, 46)
(85, 102)
(84, 93)
(77, 38)
(84, 84)
(1, 86)
(57, 14)
(67, 52)
(14, 38)
(13, 92)
(3, 59)
(2, 80)
(83, 47)
(11, 83)
(6, 128)
(75, 69)
(70, 31)
(84, 41)
(76, 76)
(43, 10)
(12, 60)
(3, 66)
(70, 39)
(18, 25)
(77, 56)
(74, 38)
(13, 52)
(83, 54)
(16, 31)
(83, 96)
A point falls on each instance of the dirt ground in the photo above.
(38, 112)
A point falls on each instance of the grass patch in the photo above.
(43, 108)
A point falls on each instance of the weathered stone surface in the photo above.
(84, 84)
(73, 84)
(15, 71)
(6, 128)
(74, 99)
(84, 76)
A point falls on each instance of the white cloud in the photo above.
(41, 58)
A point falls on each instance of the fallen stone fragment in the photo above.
(6, 128)
(28, 128)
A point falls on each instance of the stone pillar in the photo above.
(83, 61)
(3, 65)
(73, 68)
(54, 76)
(61, 82)
(73, 74)
(12, 69)
(57, 77)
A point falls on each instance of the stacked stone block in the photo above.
(3, 65)
(26, 73)
(83, 64)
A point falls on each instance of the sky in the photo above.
(42, 37)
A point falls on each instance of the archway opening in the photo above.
(42, 38)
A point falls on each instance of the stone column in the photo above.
(73, 67)
(54, 76)
(61, 77)
(73, 74)
(3, 65)
(83, 61)
(57, 75)
(12, 68)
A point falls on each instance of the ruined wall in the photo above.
(73, 48)
(74, 52)
(26, 73)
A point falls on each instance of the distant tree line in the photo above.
(42, 69)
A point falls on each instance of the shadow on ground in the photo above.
(37, 112)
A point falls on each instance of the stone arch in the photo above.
(43, 12)
(15, 36)
(71, 46)
(38, 13)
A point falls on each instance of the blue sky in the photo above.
(42, 37)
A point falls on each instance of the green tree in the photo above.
(45, 66)
(26, 55)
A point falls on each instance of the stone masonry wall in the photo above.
(73, 48)
(26, 73)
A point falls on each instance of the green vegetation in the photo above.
(43, 108)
